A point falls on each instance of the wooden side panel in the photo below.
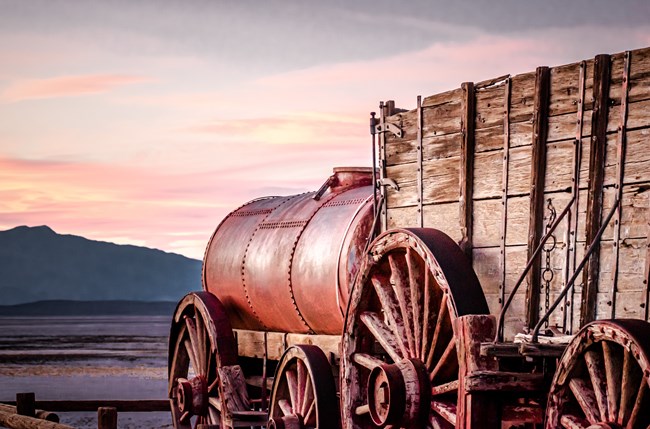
(445, 191)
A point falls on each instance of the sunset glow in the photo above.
(125, 123)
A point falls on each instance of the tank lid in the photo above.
(351, 177)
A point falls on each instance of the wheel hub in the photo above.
(192, 396)
(396, 392)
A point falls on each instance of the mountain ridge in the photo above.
(37, 264)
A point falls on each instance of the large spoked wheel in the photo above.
(602, 378)
(399, 359)
(201, 343)
(304, 393)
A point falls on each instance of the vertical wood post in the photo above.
(26, 404)
(467, 123)
(475, 410)
(107, 418)
(420, 160)
(602, 66)
(538, 172)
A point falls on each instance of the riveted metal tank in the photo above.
(286, 264)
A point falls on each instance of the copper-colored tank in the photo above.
(287, 263)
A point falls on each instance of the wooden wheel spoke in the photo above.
(197, 346)
(400, 278)
(382, 334)
(596, 369)
(308, 398)
(215, 403)
(446, 410)
(415, 284)
(445, 388)
(285, 407)
(203, 342)
(214, 415)
(303, 377)
(310, 415)
(427, 319)
(643, 388)
(570, 421)
(445, 360)
(292, 384)
(391, 309)
(629, 386)
(440, 322)
(366, 360)
(612, 360)
(192, 354)
(586, 399)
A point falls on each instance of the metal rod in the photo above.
(569, 284)
(542, 242)
(373, 132)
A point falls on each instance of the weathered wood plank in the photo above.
(602, 66)
(487, 220)
(522, 95)
(466, 175)
(538, 173)
(489, 107)
(565, 91)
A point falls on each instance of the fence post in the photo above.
(26, 404)
(107, 418)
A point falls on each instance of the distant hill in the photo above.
(37, 264)
(90, 308)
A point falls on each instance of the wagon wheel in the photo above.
(200, 343)
(304, 394)
(399, 360)
(602, 378)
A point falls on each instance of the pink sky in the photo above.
(124, 138)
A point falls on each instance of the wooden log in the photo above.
(25, 404)
(40, 414)
(106, 418)
(475, 409)
(466, 177)
(16, 421)
(597, 172)
(538, 172)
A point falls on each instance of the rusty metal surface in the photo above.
(286, 263)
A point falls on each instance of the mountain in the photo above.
(37, 264)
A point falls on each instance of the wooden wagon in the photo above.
(506, 284)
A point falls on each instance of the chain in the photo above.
(549, 246)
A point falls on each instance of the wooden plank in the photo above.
(488, 178)
(251, 343)
(466, 176)
(478, 409)
(522, 96)
(39, 414)
(503, 230)
(440, 182)
(489, 106)
(122, 405)
(565, 88)
(538, 172)
(595, 196)
(443, 217)
(621, 142)
(487, 219)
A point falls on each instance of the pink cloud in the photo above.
(68, 86)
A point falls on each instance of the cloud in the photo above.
(68, 86)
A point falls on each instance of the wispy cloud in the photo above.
(68, 86)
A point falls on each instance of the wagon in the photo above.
(490, 271)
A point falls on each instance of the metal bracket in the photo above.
(385, 181)
(389, 127)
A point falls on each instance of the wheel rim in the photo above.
(201, 341)
(602, 378)
(304, 394)
(400, 365)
